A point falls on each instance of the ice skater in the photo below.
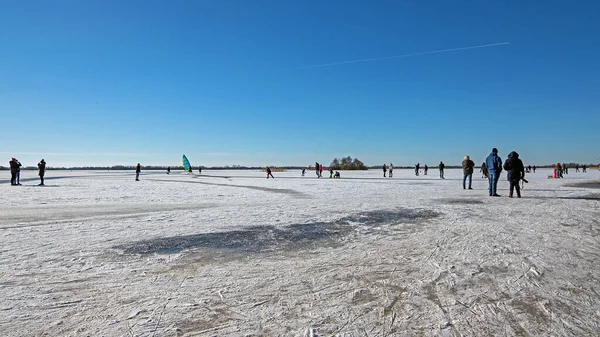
(384, 170)
(494, 166)
(317, 169)
(320, 170)
(303, 172)
(42, 171)
(391, 169)
(138, 169)
(425, 169)
(168, 170)
(467, 165)
(417, 169)
(515, 172)
(442, 166)
(330, 173)
(269, 174)
(583, 168)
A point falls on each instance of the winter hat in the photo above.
(467, 158)
(494, 150)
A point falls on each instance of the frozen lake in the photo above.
(230, 253)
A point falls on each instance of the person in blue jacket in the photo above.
(494, 166)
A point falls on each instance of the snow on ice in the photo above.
(230, 253)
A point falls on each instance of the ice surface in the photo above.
(230, 253)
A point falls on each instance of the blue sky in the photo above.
(225, 82)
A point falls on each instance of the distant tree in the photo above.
(358, 165)
(347, 163)
(335, 164)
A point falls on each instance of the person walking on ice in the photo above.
(269, 174)
(417, 167)
(138, 169)
(42, 171)
(442, 166)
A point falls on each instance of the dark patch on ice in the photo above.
(257, 239)
(587, 184)
(458, 201)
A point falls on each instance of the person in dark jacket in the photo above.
(425, 169)
(42, 171)
(384, 170)
(494, 166)
(330, 173)
(417, 167)
(442, 166)
(269, 174)
(317, 169)
(169, 170)
(13, 171)
(138, 169)
(467, 166)
(484, 171)
(515, 171)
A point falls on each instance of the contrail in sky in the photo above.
(406, 55)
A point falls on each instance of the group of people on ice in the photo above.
(441, 167)
(15, 171)
(492, 168)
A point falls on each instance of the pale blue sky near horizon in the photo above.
(85, 83)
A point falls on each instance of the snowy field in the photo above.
(230, 253)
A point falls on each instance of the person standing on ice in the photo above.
(494, 166)
(317, 169)
(391, 174)
(330, 173)
(557, 171)
(138, 169)
(484, 171)
(384, 170)
(18, 171)
(303, 172)
(442, 166)
(417, 168)
(425, 169)
(584, 168)
(320, 170)
(13, 171)
(169, 170)
(515, 171)
(534, 168)
(467, 166)
(42, 171)
(269, 173)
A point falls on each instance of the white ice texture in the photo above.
(230, 253)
